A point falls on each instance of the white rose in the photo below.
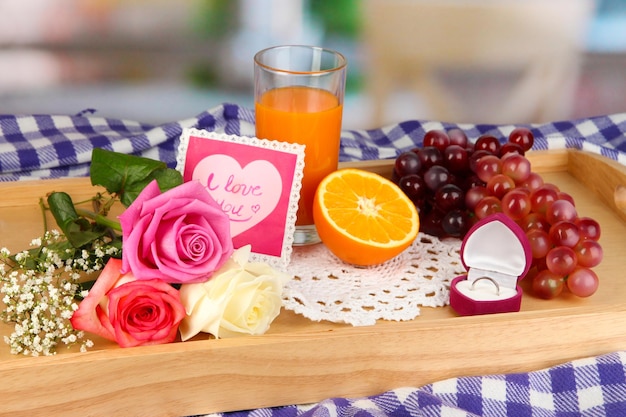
(240, 298)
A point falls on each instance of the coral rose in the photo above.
(179, 236)
(129, 312)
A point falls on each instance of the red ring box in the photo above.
(494, 251)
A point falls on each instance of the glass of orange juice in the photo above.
(299, 92)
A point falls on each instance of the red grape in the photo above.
(436, 176)
(455, 223)
(449, 197)
(561, 210)
(588, 228)
(475, 157)
(534, 221)
(561, 260)
(499, 185)
(407, 163)
(516, 204)
(561, 195)
(583, 282)
(509, 148)
(517, 167)
(474, 195)
(487, 167)
(473, 181)
(458, 137)
(553, 187)
(589, 253)
(488, 143)
(547, 285)
(541, 198)
(413, 186)
(539, 242)
(488, 205)
(431, 223)
(540, 264)
(455, 158)
(523, 190)
(533, 182)
(455, 182)
(430, 156)
(564, 233)
(436, 138)
(523, 137)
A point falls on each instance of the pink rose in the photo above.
(180, 236)
(130, 312)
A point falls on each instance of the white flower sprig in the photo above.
(39, 289)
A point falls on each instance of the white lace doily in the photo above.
(325, 288)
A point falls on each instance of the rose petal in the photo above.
(235, 301)
(162, 297)
(202, 318)
(89, 316)
(157, 228)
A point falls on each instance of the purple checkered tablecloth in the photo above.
(591, 387)
(53, 146)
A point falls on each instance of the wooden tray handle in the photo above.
(606, 177)
(620, 197)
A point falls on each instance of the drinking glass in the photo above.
(299, 93)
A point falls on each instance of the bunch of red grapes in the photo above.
(454, 182)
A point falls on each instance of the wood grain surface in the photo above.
(299, 361)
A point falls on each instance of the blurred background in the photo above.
(155, 61)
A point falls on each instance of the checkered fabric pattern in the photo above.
(591, 387)
(52, 146)
(604, 135)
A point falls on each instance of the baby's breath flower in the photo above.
(40, 287)
(86, 345)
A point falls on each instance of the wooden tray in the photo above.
(300, 361)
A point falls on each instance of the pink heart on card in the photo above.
(247, 195)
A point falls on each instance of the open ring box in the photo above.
(496, 254)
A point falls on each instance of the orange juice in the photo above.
(310, 117)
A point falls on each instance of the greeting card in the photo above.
(255, 181)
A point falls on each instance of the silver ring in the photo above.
(493, 281)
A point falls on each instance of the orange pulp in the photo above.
(310, 117)
(363, 218)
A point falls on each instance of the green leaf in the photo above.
(78, 231)
(114, 170)
(127, 175)
(166, 178)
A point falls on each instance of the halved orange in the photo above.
(363, 218)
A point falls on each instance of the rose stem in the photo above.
(100, 219)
